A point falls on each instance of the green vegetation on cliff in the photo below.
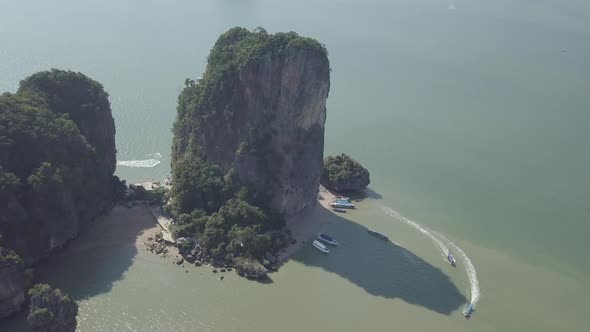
(57, 159)
(51, 310)
(212, 99)
(228, 217)
(343, 173)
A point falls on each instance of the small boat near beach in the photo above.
(320, 246)
(469, 309)
(342, 204)
(451, 259)
(377, 234)
(338, 210)
(328, 239)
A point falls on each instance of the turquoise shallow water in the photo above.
(471, 115)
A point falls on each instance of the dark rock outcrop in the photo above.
(259, 114)
(250, 268)
(12, 283)
(51, 310)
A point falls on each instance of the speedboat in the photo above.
(377, 234)
(451, 259)
(328, 239)
(320, 246)
(335, 209)
(469, 309)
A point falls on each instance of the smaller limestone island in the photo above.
(248, 148)
(344, 174)
(57, 159)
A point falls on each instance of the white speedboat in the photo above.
(320, 246)
(327, 238)
(451, 259)
(469, 309)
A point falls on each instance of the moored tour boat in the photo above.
(377, 234)
(320, 246)
(328, 239)
(341, 203)
(451, 259)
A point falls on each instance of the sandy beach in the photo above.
(308, 223)
(123, 226)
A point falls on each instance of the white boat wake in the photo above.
(148, 163)
(438, 241)
(441, 246)
(471, 273)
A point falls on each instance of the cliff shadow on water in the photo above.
(100, 256)
(382, 268)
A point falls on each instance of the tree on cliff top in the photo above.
(51, 310)
(343, 173)
(9, 257)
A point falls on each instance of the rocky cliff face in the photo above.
(259, 114)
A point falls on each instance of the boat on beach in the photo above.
(320, 246)
(451, 259)
(328, 239)
(377, 234)
(335, 209)
(469, 309)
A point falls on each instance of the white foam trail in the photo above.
(441, 246)
(471, 273)
(148, 163)
(139, 163)
(156, 155)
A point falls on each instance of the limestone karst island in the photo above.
(246, 166)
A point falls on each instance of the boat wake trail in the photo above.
(152, 162)
(471, 273)
(438, 239)
(441, 246)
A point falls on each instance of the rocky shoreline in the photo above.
(193, 254)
